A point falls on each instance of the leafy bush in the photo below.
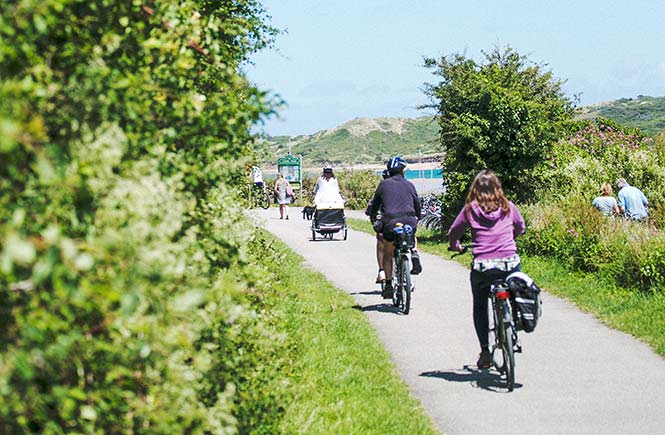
(571, 230)
(358, 187)
(504, 114)
(124, 128)
(600, 152)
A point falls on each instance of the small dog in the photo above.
(308, 212)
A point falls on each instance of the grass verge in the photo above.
(639, 314)
(342, 380)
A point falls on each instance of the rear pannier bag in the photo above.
(525, 295)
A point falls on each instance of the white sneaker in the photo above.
(381, 277)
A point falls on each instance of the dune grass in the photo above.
(640, 314)
(342, 379)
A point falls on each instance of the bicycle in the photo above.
(257, 196)
(503, 332)
(402, 283)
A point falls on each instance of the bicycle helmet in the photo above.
(396, 164)
(327, 168)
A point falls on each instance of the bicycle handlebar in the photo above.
(465, 249)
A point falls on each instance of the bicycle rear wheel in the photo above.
(508, 355)
(397, 294)
(406, 286)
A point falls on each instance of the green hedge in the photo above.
(124, 261)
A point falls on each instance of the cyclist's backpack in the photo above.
(526, 298)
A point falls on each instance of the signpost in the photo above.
(291, 167)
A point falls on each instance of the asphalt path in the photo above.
(575, 376)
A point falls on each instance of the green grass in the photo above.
(343, 381)
(641, 315)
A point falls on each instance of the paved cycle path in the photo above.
(576, 376)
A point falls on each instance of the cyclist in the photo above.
(398, 199)
(257, 177)
(377, 223)
(494, 223)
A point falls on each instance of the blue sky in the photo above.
(342, 59)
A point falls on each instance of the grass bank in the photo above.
(341, 379)
(639, 314)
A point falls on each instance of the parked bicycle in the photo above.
(431, 212)
(257, 196)
(402, 283)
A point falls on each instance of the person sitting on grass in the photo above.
(632, 201)
(605, 203)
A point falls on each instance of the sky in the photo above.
(337, 60)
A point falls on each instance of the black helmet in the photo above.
(396, 164)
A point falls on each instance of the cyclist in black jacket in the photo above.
(398, 201)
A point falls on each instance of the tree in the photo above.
(504, 114)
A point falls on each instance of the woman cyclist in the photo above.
(494, 223)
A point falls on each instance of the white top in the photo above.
(326, 194)
(257, 175)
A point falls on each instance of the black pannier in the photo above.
(525, 296)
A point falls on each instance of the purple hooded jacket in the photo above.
(493, 234)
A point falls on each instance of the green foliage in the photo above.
(601, 152)
(573, 232)
(357, 187)
(504, 114)
(124, 131)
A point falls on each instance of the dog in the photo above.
(308, 212)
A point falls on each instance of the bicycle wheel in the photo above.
(265, 201)
(397, 292)
(406, 286)
(508, 355)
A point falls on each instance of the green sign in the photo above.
(291, 167)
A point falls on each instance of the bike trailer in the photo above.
(525, 295)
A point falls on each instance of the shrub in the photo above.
(124, 129)
(358, 187)
(504, 114)
(571, 230)
(601, 153)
